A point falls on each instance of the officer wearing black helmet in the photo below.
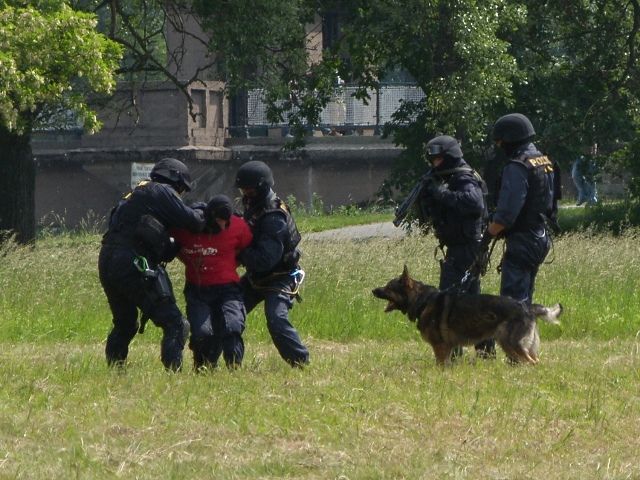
(453, 203)
(271, 261)
(525, 204)
(134, 250)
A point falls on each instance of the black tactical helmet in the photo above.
(172, 172)
(254, 174)
(513, 128)
(443, 145)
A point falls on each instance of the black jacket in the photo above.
(274, 248)
(150, 199)
(458, 214)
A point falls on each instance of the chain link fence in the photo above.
(344, 110)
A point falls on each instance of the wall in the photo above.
(81, 186)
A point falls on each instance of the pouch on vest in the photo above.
(152, 237)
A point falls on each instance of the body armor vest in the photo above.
(450, 227)
(538, 204)
(130, 225)
(291, 253)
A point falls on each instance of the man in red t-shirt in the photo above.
(215, 307)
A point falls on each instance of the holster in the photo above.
(158, 288)
(158, 283)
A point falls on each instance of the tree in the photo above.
(264, 44)
(142, 28)
(581, 75)
(452, 51)
(51, 59)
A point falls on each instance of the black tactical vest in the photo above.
(450, 227)
(291, 253)
(130, 225)
(538, 205)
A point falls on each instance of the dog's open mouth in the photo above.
(390, 307)
(381, 293)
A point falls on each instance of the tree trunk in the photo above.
(17, 186)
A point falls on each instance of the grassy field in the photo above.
(373, 404)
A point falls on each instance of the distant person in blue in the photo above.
(583, 173)
(526, 204)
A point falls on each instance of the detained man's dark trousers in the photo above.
(217, 316)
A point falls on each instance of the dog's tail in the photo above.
(548, 314)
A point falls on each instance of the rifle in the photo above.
(403, 209)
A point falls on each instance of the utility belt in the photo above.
(265, 284)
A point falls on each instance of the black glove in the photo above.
(480, 264)
(171, 251)
(433, 188)
(198, 206)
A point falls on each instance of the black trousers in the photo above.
(525, 252)
(217, 317)
(277, 304)
(127, 292)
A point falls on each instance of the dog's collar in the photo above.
(414, 313)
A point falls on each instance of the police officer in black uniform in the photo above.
(133, 252)
(526, 204)
(453, 202)
(271, 261)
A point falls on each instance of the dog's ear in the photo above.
(407, 281)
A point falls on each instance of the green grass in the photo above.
(365, 409)
(614, 217)
(373, 404)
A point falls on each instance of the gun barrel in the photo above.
(405, 206)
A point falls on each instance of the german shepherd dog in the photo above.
(447, 320)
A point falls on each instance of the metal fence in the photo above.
(344, 110)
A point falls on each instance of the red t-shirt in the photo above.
(210, 258)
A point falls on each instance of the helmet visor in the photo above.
(435, 150)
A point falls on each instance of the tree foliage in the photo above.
(580, 76)
(51, 59)
(451, 49)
